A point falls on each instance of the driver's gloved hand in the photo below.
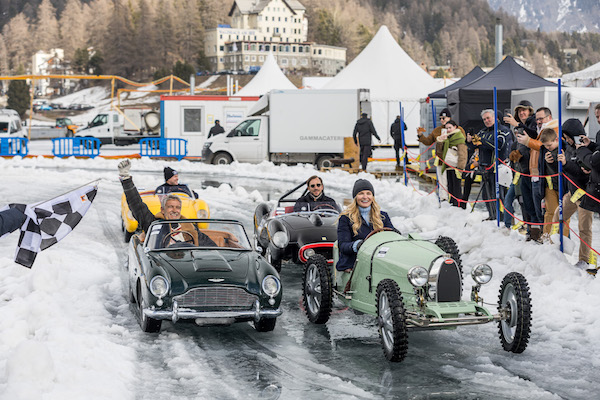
(124, 167)
(356, 245)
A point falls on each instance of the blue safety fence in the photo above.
(76, 146)
(10, 147)
(161, 147)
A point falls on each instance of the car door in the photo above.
(244, 141)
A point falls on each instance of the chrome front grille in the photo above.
(216, 298)
(445, 281)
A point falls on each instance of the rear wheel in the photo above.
(324, 162)
(222, 159)
(391, 319)
(317, 296)
(265, 324)
(149, 325)
(515, 300)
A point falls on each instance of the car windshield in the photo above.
(181, 188)
(197, 233)
(318, 206)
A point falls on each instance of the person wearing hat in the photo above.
(172, 184)
(579, 174)
(432, 138)
(364, 129)
(396, 134)
(524, 118)
(215, 130)
(362, 217)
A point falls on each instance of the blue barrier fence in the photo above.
(161, 147)
(76, 146)
(10, 147)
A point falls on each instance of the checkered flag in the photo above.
(50, 221)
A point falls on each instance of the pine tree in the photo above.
(18, 96)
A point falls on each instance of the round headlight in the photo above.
(202, 213)
(159, 286)
(309, 253)
(280, 239)
(271, 285)
(418, 276)
(482, 273)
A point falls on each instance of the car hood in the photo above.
(311, 228)
(198, 266)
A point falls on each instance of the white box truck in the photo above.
(122, 128)
(291, 126)
(190, 117)
(575, 101)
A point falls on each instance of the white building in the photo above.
(50, 63)
(262, 26)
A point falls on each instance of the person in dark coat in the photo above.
(396, 134)
(597, 114)
(215, 130)
(364, 129)
(172, 184)
(12, 218)
(315, 197)
(170, 209)
(572, 130)
(487, 157)
(362, 217)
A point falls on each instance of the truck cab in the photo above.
(105, 126)
(247, 142)
(10, 124)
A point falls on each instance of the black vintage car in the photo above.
(173, 278)
(284, 234)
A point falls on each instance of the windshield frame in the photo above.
(148, 238)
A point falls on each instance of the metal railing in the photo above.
(76, 146)
(10, 147)
(161, 147)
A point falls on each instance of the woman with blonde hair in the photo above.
(356, 222)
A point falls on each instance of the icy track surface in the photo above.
(68, 331)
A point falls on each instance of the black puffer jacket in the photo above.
(590, 156)
(395, 131)
(572, 169)
(364, 129)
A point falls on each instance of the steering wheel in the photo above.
(386, 229)
(171, 236)
(324, 206)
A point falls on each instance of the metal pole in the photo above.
(403, 143)
(496, 150)
(560, 171)
(437, 181)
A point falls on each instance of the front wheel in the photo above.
(265, 324)
(391, 319)
(222, 159)
(269, 256)
(317, 296)
(148, 325)
(516, 302)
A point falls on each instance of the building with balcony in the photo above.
(262, 26)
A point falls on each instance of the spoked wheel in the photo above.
(271, 260)
(265, 324)
(449, 246)
(391, 319)
(317, 295)
(515, 300)
(149, 325)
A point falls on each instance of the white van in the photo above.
(10, 124)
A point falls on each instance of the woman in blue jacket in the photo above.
(361, 217)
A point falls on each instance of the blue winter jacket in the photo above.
(346, 238)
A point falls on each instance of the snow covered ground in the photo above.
(68, 332)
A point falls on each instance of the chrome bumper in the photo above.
(177, 313)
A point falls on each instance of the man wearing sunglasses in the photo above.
(315, 198)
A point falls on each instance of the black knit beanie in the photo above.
(360, 185)
(169, 173)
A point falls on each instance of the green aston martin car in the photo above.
(409, 283)
(204, 271)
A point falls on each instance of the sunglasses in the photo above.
(315, 185)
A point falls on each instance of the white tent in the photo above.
(392, 77)
(269, 77)
(589, 77)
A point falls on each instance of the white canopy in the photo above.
(268, 78)
(392, 77)
(589, 77)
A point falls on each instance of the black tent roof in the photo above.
(467, 102)
(475, 73)
(508, 75)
